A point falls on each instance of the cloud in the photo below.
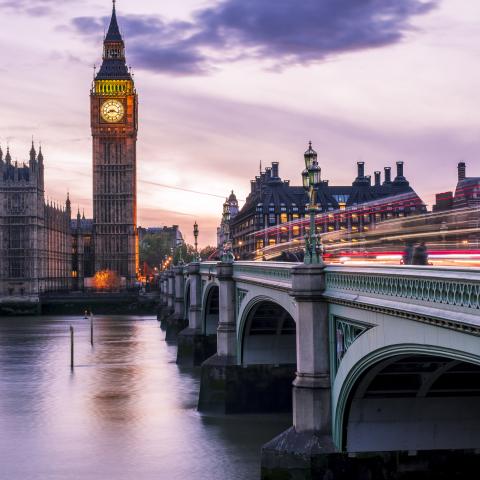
(34, 8)
(281, 33)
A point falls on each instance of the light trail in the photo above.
(452, 238)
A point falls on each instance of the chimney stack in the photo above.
(388, 175)
(462, 171)
(399, 169)
(252, 186)
(274, 169)
(378, 179)
(361, 169)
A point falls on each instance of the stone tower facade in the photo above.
(114, 114)
(35, 240)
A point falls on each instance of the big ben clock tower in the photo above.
(114, 111)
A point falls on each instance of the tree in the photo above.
(153, 249)
(186, 252)
(207, 251)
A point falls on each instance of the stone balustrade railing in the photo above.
(277, 272)
(208, 268)
(446, 287)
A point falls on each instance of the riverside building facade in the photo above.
(274, 210)
(466, 195)
(42, 249)
(35, 238)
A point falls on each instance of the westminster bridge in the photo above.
(385, 360)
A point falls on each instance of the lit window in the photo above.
(341, 198)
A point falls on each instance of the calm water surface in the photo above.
(125, 412)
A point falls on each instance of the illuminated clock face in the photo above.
(112, 111)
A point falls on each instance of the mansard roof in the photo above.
(467, 192)
(268, 191)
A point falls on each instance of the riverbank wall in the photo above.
(77, 303)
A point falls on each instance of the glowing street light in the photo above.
(311, 180)
(195, 234)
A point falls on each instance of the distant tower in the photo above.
(114, 113)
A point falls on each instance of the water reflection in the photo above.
(126, 411)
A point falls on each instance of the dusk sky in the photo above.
(226, 84)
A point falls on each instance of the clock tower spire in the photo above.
(114, 111)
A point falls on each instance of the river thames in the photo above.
(126, 411)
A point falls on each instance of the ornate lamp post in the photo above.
(227, 254)
(311, 180)
(195, 234)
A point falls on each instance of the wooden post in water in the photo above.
(71, 348)
(91, 329)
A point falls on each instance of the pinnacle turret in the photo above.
(114, 66)
(33, 153)
(8, 157)
(113, 34)
(68, 204)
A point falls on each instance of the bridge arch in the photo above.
(408, 397)
(267, 334)
(210, 309)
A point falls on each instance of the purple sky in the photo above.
(225, 84)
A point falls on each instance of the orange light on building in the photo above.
(106, 280)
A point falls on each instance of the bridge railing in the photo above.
(279, 273)
(208, 268)
(442, 287)
(451, 288)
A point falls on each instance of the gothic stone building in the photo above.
(35, 241)
(230, 211)
(114, 114)
(83, 260)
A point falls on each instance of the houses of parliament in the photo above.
(42, 248)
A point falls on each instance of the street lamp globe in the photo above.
(305, 180)
(310, 156)
(314, 175)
